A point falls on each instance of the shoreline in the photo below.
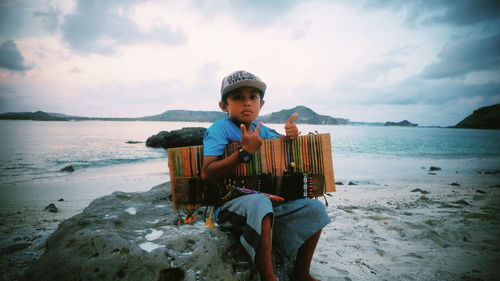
(380, 203)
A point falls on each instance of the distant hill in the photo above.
(38, 116)
(487, 117)
(404, 123)
(306, 116)
(186, 115)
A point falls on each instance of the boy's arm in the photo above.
(215, 167)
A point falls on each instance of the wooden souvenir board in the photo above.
(310, 154)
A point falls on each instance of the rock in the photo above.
(433, 174)
(339, 183)
(461, 202)
(487, 117)
(404, 123)
(14, 248)
(480, 191)
(51, 208)
(61, 200)
(455, 184)
(420, 190)
(432, 168)
(68, 169)
(132, 236)
(183, 137)
(352, 183)
(134, 142)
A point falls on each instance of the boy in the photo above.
(293, 226)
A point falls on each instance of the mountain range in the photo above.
(305, 116)
(483, 118)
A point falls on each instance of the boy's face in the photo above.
(243, 104)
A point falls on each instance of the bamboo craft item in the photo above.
(308, 155)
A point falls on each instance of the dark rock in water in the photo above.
(455, 184)
(131, 236)
(487, 117)
(134, 142)
(51, 208)
(480, 191)
(339, 183)
(14, 248)
(404, 123)
(352, 183)
(61, 200)
(420, 190)
(432, 168)
(433, 174)
(461, 202)
(68, 169)
(176, 138)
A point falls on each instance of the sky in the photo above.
(429, 62)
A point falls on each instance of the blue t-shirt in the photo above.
(224, 131)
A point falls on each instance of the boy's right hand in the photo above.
(250, 141)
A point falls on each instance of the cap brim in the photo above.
(245, 83)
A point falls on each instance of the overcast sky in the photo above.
(431, 62)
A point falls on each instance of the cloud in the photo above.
(461, 58)
(255, 13)
(369, 74)
(11, 58)
(99, 26)
(452, 12)
(22, 19)
(401, 51)
(50, 18)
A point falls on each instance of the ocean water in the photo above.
(32, 150)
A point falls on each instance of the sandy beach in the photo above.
(396, 220)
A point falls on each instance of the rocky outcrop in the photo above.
(176, 138)
(404, 123)
(487, 117)
(132, 236)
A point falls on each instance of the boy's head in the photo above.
(242, 96)
(240, 79)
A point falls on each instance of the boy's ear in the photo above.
(262, 103)
(223, 106)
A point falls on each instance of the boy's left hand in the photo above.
(290, 128)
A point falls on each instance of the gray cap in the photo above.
(240, 79)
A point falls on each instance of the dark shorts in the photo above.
(293, 221)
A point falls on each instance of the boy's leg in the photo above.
(263, 258)
(304, 258)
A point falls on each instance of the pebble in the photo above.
(51, 208)
(420, 190)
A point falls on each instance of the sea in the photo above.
(33, 150)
